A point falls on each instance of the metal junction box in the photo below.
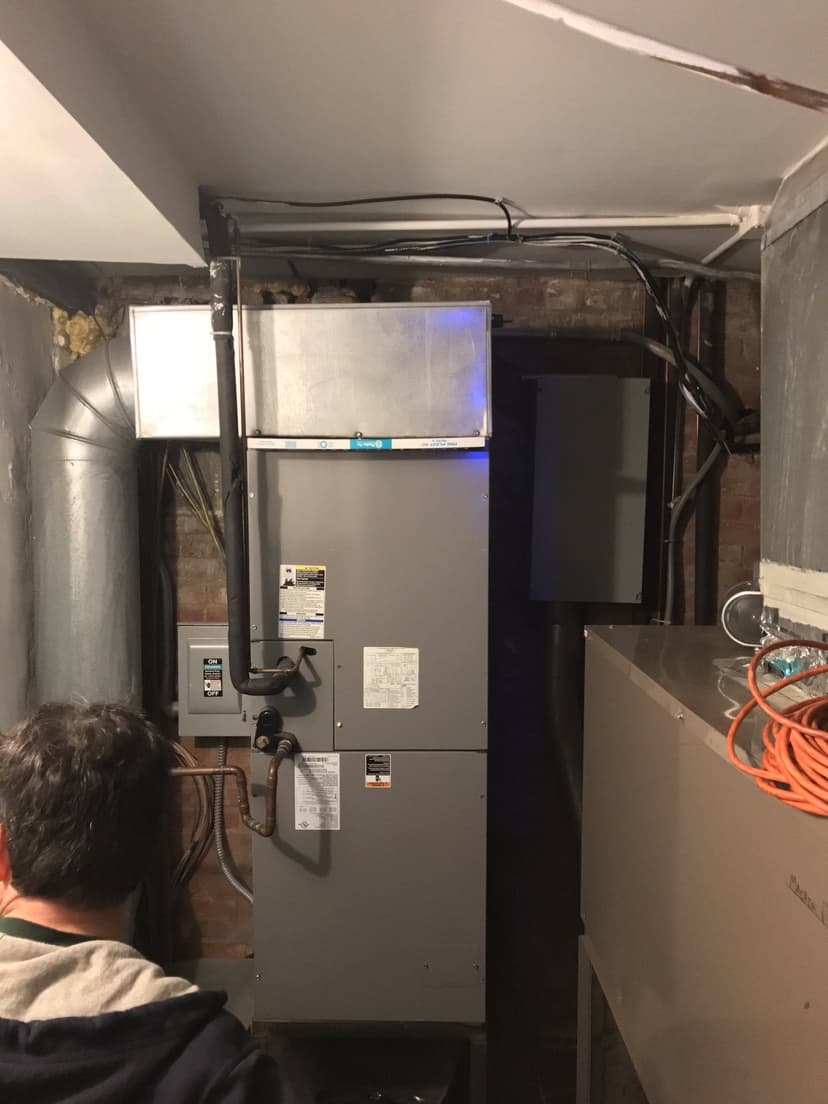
(368, 521)
(208, 703)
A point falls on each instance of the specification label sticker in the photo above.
(302, 601)
(378, 772)
(212, 674)
(316, 792)
(391, 678)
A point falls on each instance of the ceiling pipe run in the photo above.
(256, 223)
(85, 533)
(483, 264)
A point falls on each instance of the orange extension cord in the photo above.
(795, 757)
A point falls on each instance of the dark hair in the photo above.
(82, 795)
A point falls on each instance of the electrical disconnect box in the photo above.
(367, 496)
(208, 705)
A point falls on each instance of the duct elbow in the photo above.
(85, 532)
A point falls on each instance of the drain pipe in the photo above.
(231, 449)
(84, 460)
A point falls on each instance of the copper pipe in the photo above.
(268, 825)
(288, 665)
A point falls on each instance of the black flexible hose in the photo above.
(233, 492)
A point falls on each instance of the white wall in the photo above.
(26, 372)
(86, 174)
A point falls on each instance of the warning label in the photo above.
(212, 674)
(378, 772)
(302, 601)
(391, 678)
(316, 792)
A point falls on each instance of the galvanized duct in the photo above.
(85, 533)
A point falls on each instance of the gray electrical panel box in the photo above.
(208, 705)
(591, 444)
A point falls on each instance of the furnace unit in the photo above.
(366, 486)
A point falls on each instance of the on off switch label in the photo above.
(212, 673)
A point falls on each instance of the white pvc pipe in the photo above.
(256, 224)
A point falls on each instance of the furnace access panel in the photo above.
(370, 898)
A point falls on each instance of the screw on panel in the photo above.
(254, 627)
(250, 494)
(483, 724)
(357, 433)
(339, 724)
(484, 498)
(679, 716)
(258, 977)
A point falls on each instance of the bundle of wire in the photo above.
(794, 763)
(701, 392)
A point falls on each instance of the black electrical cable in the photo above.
(470, 197)
(700, 393)
(695, 390)
(726, 401)
(393, 246)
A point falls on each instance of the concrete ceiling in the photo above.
(332, 98)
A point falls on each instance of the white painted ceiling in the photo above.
(361, 96)
(324, 98)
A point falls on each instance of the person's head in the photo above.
(82, 793)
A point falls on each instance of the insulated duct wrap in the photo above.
(85, 533)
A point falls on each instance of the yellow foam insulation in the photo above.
(79, 333)
(256, 292)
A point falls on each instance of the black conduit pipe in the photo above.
(707, 497)
(233, 493)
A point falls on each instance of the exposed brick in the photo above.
(730, 556)
(743, 533)
(213, 949)
(424, 293)
(731, 509)
(563, 295)
(192, 546)
(751, 509)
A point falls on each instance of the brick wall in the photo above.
(739, 482)
(214, 921)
